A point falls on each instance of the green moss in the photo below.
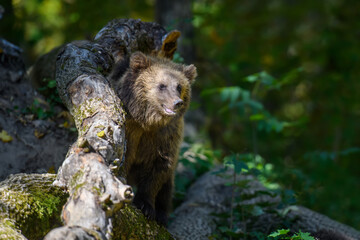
(85, 110)
(9, 232)
(100, 70)
(133, 225)
(33, 204)
(76, 189)
(75, 179)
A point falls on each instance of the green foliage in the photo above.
(235, 161)
(283, 234)
(45, 109)
(42, 25)
(234, 224)
(178, 58)
(279, 232)
(195, 160)
(308, 116)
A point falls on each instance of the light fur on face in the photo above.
(146, 107)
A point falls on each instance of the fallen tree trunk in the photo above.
(212, 193)
(29, 206)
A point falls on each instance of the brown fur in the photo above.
(155, 93)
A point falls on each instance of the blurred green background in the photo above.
(277, 78)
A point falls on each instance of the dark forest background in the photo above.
(278, 82)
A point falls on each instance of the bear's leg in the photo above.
(144, 201)
(163, 202)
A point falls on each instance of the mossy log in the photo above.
(29, 206)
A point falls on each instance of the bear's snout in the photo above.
(178, 103)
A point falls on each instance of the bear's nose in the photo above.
(178, 103)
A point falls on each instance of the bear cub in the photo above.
(155, 93)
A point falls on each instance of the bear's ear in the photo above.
(139, 61)
(190, 72)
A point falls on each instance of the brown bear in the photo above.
(155, 93)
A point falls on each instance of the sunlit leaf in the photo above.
(51, 84)
(255, 104)
(257, 117)
(252, 78)
(266, 79)
(279, 232)
(234, 162)
(5, 137)
(305, 236)
(230, 93)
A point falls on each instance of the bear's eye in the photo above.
(162, 86)
(178, 88)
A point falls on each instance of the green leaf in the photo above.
(234, 162)
(252, 78)
(257, 117)
(266, 79)
(279, 232)
(254, 104)
(230, 93)
(51, 84)
(305, 236)
(262, 77)
(240, 165)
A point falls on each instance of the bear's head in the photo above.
(155, 90)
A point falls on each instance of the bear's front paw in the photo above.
(146, 208)
(161, 218)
